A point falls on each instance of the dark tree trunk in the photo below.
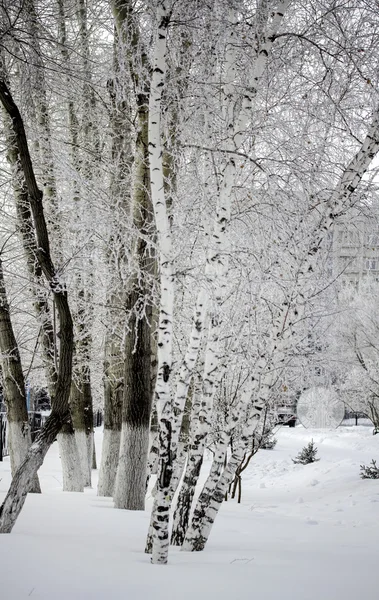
(25, 475)
(81, 406)
(131, 483)
(14, 387)
(113, 398)
(26, 231)
(134, 446)
(120, 195)
(82, 418)
(72, 478)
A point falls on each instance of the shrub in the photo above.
(370, 472)
(307, 455)
(268, 441)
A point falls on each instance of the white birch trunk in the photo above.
(175, 479)
(209, 504)
(188, 487)
(152, 465)
(165, 324)
(210, 501)
(186, 494)
(216, 272)
(218, 462)
(215, 487)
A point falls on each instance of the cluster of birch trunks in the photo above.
(163, 408)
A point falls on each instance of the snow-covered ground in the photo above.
(301, 533)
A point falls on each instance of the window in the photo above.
(349, 237)
(349, 283)
(372, 239)
(371, 264)
(320, 371)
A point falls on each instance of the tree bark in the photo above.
(113, 398)
(165, 326)
(134, 446)
(132, 468)
(14, 388)
(215, 488)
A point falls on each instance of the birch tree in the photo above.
(166, 306)
(235, 122)
(287, 324)
(243, 128)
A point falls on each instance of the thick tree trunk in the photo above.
(113, 398)
(85, 161)
(134, 446)
(72, 476)
(85, 158)
(109, 461)
(81, 393)
(116, 258)
(132, 467)
(82, 419)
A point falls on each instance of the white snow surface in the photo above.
(301, 533)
